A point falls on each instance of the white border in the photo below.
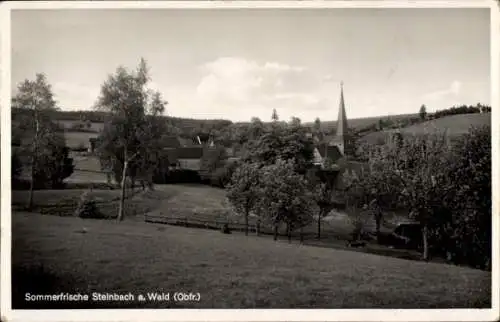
(240, 315)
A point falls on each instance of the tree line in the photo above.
(443, 184)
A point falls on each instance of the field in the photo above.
(64, 202)
(453, 124)
(78, 139)
(53, 254)
(68, 124)
(87, 169)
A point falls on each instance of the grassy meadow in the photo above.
(53, 254)
(454, 125)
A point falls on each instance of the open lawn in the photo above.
(54, 254)
(453, 124)
(64, 202)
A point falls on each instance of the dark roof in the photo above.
(195, 152)
(171, 142)
(332, 151)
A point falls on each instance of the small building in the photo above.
(189, 158)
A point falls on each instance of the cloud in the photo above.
(239, 85)
(453, 89)
(71, 95)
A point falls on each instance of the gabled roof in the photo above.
(195, 152)
(331, 152)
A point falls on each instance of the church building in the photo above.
(342, 145)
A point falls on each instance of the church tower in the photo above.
(343, 139)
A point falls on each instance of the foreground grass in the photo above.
(54, 254)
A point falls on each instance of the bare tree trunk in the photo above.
(289, 232)
(257, 230)
(425, 243)
(378, 220)
(122, 197)
(319, 224)
(301, 234)
(34, 161)
(246, 221)
(32, 183)
(275, 231)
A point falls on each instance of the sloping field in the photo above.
(78, 139)
(359, 123)
(54, 254)
(87, 169)
(68, 124)
(454, 125)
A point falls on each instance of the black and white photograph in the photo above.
(237, 155)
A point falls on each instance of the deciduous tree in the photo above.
(284, 196)
(132, 131)
(243, 192)
(37, 99)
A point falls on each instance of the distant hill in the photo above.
(360, 123)
(453, 124)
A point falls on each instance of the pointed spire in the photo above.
(342, 118)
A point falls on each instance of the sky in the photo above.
(239, 63)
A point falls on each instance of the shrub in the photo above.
(87, 207)
(183, 176)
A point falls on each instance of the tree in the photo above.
(422, 174)
(469, 173)
(131, 134)
(286, 143)
(37, 99)
(295, 121)
(422, 112)
(275, 117)
(317, 128)
(322, 185)
(256, 128)
(284, 197)
(243, 191)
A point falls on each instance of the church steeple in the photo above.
(342, 118)
(342, 138)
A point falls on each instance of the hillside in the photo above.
(53, 254)
(360, 123)
(454, 125)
